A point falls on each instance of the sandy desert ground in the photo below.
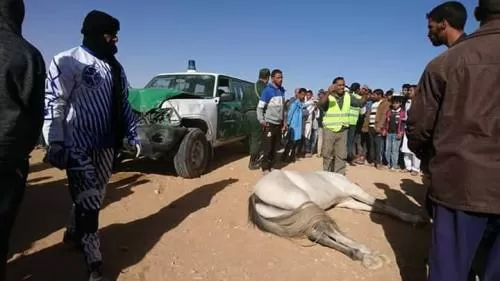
(156, 226)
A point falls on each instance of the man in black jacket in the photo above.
(22, 76)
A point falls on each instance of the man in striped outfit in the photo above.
(375, 127)
(87, 116)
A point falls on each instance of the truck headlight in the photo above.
(175, 119)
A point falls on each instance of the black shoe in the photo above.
(253, 165)
(96, 272)
(97, 276)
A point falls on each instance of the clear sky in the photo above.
(380, 43)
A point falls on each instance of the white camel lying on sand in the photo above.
(292, 204)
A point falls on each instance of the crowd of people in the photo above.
(375, 131)
(353, 124)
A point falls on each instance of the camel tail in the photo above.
(298, 224)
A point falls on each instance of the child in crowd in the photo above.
(393, 130)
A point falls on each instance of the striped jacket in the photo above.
(78, 102)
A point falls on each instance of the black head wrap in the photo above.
(95, 25)
(99, 23)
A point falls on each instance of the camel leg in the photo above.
(356, 251)
(378, 207)
(354, 205)
(321, 238)
(375, 208)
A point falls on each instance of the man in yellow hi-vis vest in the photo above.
(336, 104)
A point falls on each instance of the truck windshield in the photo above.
(199, 85)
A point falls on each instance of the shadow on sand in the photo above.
(46, 206)
(410, 245)
(164, 166)
(39, 167)
(124, 244)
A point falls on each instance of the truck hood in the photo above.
(146, 99)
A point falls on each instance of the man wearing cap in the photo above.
(87, 116)
(255, 134)
(264, 75)
(353, 121)
(454, 115)
(337, 104)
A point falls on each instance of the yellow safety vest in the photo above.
(354, 112)
(335, 118)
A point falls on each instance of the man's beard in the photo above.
(436, 42)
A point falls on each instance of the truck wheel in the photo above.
(191, 159)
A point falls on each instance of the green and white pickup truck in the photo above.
(184, 116)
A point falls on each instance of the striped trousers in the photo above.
(88, 174)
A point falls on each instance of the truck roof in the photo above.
(200, 73)
(190, 73)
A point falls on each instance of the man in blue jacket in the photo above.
(270, 113)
